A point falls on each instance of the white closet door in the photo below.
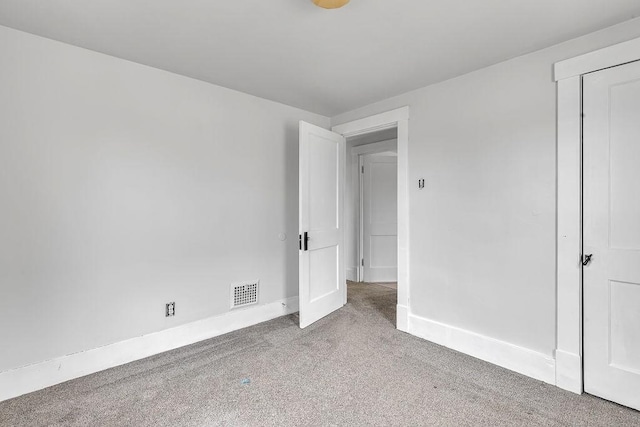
(380, 217)
(612, 234)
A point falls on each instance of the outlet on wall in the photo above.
(171, 309)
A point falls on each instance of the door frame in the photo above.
(568, 76)
(356, 158)
(398, 118)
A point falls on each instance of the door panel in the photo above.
(612, 234)
(323, 176)
(323, 264)
(624, 220)
(624, 324)
(322, 275)
(380, 217)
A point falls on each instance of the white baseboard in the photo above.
(34, 377)
(510, 356)
(402, 318)
(569, 371)
(352, 274)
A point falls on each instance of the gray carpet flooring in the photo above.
(352, 368)
(392, 285)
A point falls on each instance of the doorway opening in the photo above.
(322, 186)
(371, 213)
(369, 131)
(372, 207)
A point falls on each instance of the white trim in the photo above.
(519, 359)
(569, 371)
(375, 123)
(404, 279)
(403, 318)
(375, 147)
(611, 56)
(360, 251)
(569, 73)
(569, 229)
(352, 274)
(395, 118)
(30, 378)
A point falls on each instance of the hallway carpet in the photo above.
(352, 368)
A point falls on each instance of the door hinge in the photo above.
(362, 169)
(362, 262)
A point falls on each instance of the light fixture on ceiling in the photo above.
(330, 4)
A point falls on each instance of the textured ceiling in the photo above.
(325, 61)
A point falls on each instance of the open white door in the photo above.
(612, 234)
(321, 240)
(380, 217)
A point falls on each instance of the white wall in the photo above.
(482, 248)
(123, 187)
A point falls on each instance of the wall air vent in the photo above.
(243, 294)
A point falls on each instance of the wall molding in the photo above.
(600, 59)
(515, 358)
(377, 122)
(569, 371)
(375, 147)
(402, 318)
(27, 379)
(352, 274)
(569, 229)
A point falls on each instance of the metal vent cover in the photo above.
(243, 294)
